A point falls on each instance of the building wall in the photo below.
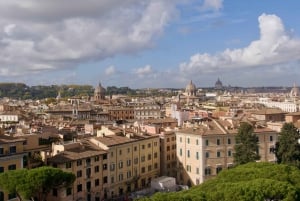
(201, 157)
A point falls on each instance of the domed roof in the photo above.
(99, 89)
(295, 91)
(190, 88)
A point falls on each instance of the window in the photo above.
(12, 167)
(128, 150)
(188, 153)
(143, 170)
(188, 140)
(206, 142)
(88, 161)
(121, 177)
(105, 179)
(197, 155)
(79, 187)
(207, 171)
(197, 142)
(197, 170)
(12, 149)
(97, 182)
(104, 166)
(96, 158)
(149, 168)
(218, 154)
(79, 162)
(105, 156)
(112, 179)
(155, 144)
(111, 154)
(155, 165)
(120, 152)
(79, 173)
(88, 172)
(207, 154)
(228, 141)
(218, 169)
(143, 146)
(155, 155)
(218, 142)
(149, 145)
(149, 157)
(180, 152)
(271, 138)
(136, 160)
(112, 167)
(168, 148)
(1, 169)
(69, 191)
(168, 139)
(128, 162)
(229, 153)
(96, 168)
(143, 158)
(120, 164)
(128, 174)
(1, 151)
(188, 168)
(180, 139)
(68, 165)
(135, 148)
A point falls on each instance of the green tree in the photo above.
(246, 148)
(248, 182)
(35, 183)
(288, 148)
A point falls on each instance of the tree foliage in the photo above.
(246, 148)
(288, 148)
(249, 182)
(38, 182)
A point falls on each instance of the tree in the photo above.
(246, 148)
(287, 148)
(251, 181)
(38, 182)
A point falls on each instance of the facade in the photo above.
(120, 113)
(206, 149)
(99, 93)
(12, 157)
(168, 158)
(88, 163)
(147, 111)
(133, 161)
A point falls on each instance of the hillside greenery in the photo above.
(248, 182)
(22, 91)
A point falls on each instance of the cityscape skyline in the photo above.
(150, 43)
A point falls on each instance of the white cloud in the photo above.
(110, 70)
(48, 35)
(144, 71)
(212, 5)
(274, 46)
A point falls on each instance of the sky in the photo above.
(150, 43)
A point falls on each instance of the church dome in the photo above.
(99, 93)
(295, 91)
(191, 88)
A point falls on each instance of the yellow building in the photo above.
(12, 157)
(207, 148)
(133, 160)
(90, 165)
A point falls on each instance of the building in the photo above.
(168, 158)
(218, 85)
(133, 160)
(147, 111)
(12, 157)
(99, 93)
(205, 149)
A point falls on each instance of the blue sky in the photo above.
(150, 43)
